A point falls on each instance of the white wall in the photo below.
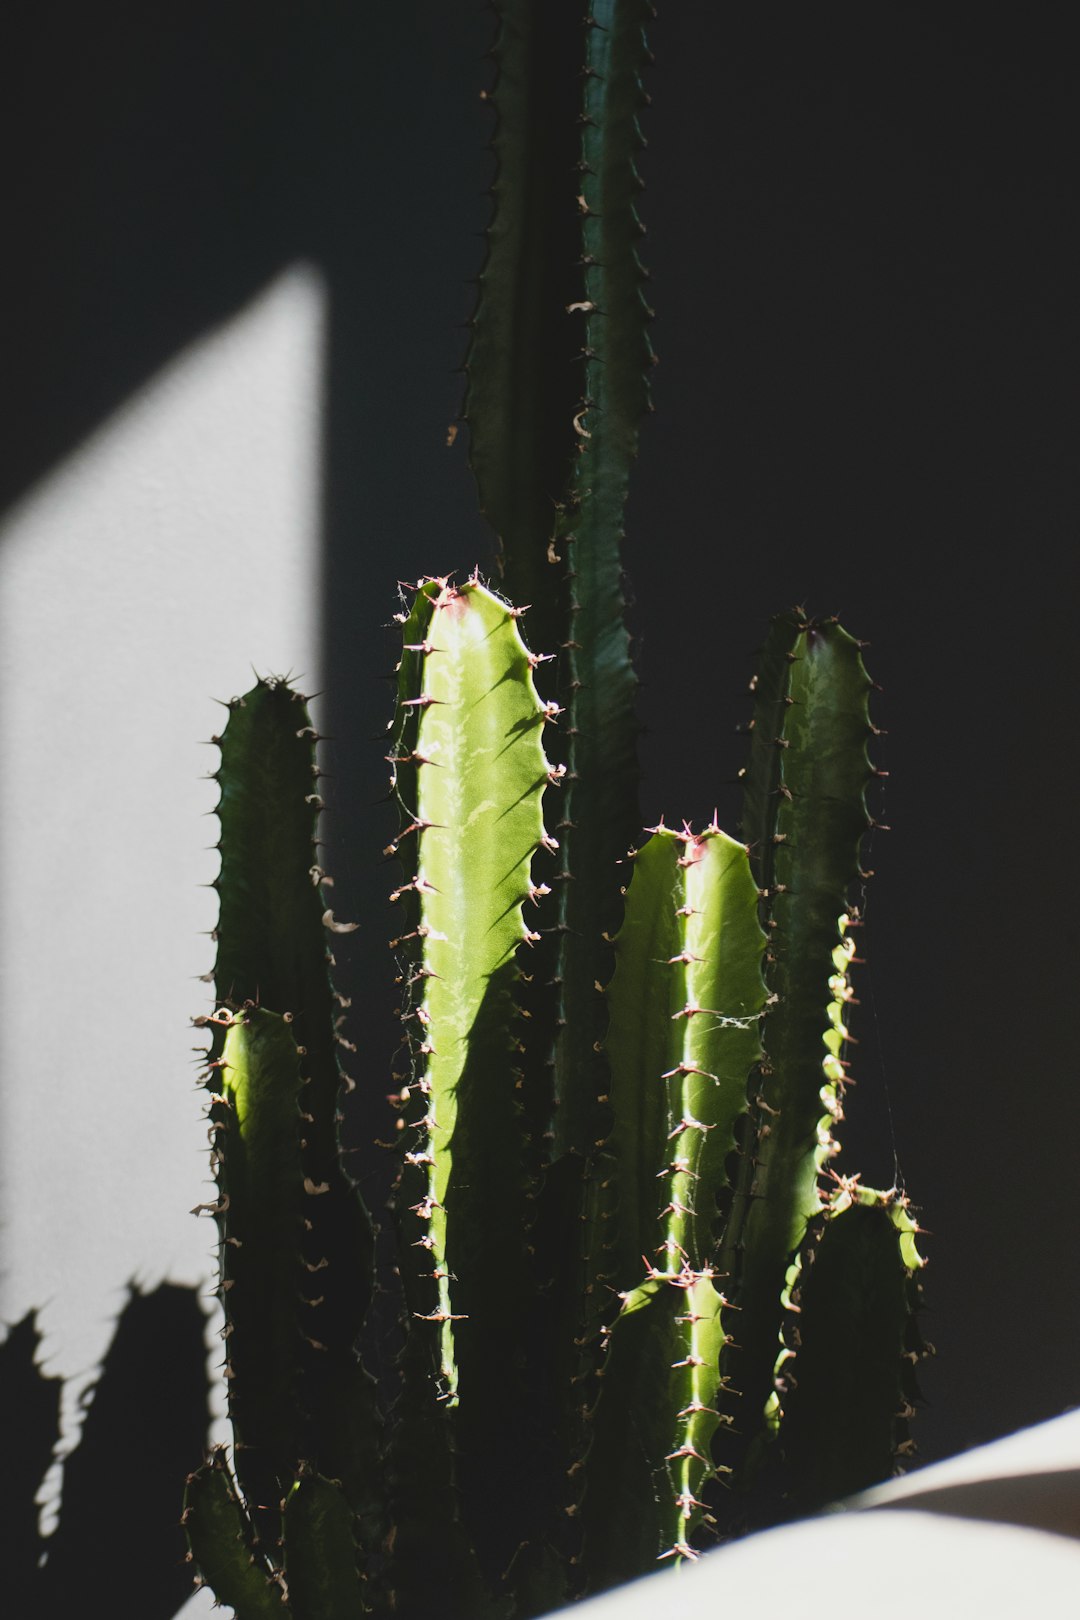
(139, 581)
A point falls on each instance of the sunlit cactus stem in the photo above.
(471, 773)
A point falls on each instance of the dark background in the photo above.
(864, 251)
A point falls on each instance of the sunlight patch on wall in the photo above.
(146, 576)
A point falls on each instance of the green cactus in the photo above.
(640, 1311)
(685, 1003)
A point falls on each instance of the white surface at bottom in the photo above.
(889, 1562)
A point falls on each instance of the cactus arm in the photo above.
(690, 940)
(273, 906)
(272, 951)
(523, 386)
(259, 1212)
(223, 1546)
(725, 996)
(818, 816)
(320, 1554)
(657, 1413)
(845, 1414)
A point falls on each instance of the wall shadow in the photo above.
(145, 1429)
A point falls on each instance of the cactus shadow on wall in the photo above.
(120, 1509)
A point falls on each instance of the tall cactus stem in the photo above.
(597, 684)
(296, 1240)
(478, 774)
(523, 366)
(805, 813)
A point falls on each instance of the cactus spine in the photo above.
(640, 1310)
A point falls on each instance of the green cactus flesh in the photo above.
(685, 1002)
(479, 783)
(471, 788)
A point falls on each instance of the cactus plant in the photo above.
(639, 1309)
